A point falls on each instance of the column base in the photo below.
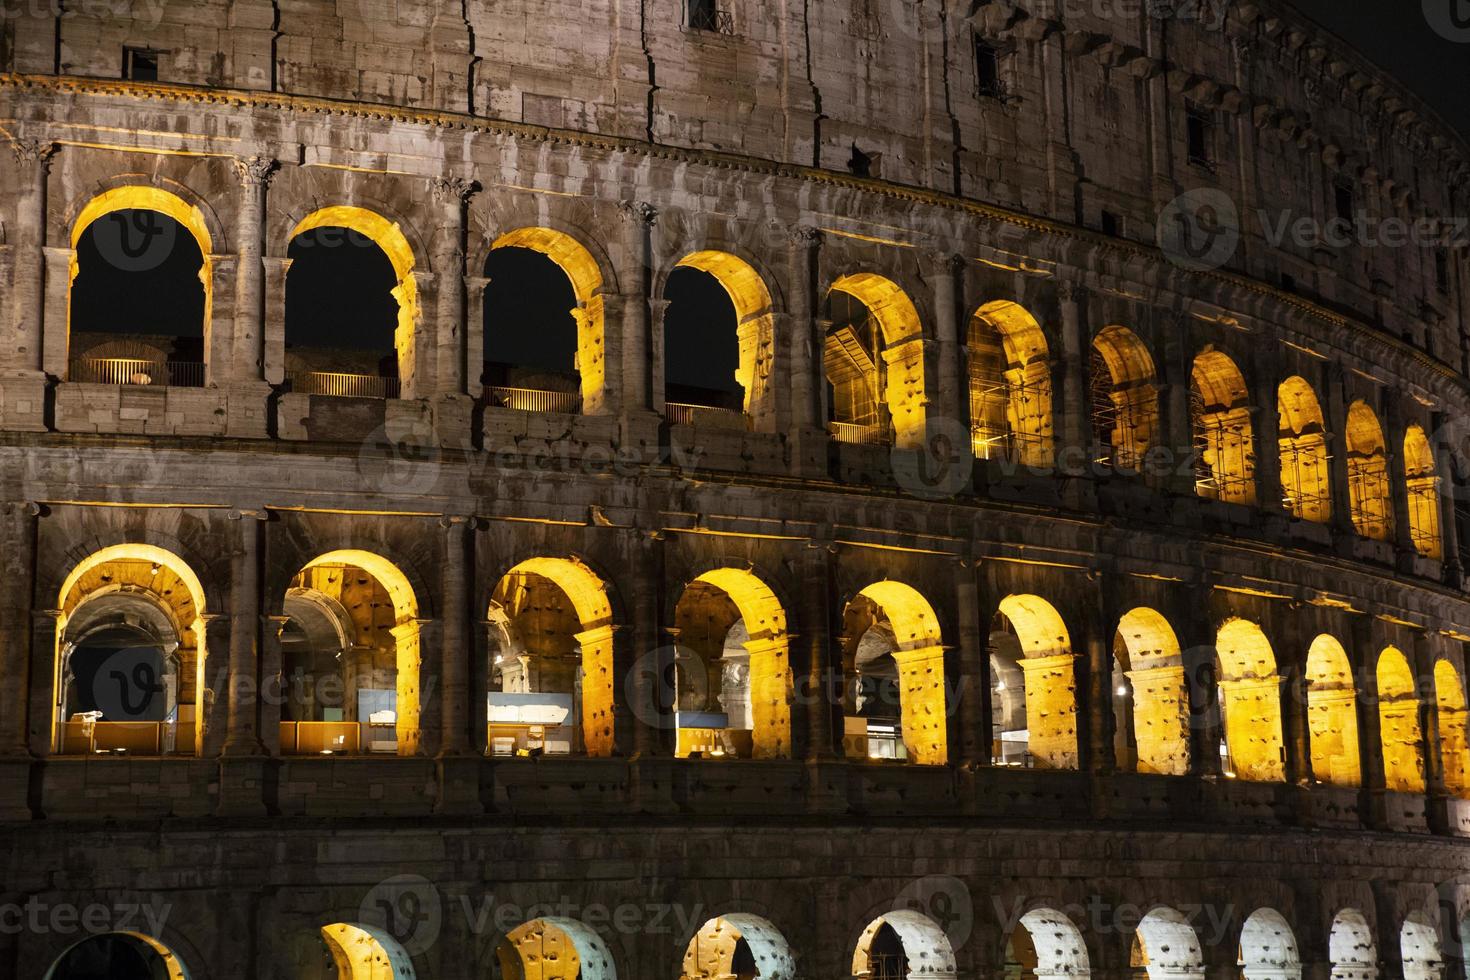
(809, 452)
(459, 786)
(248, 410)
(23, 398)
(242, 784)
(638, 433)
(15, 788)
(826, 786)
(651, 782)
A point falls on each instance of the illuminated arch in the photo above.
(918, 653)
(574, 259)
(173, 966)
(1010, 385)
(898, 381)
(1250, 702)
(1268, 948)
(1125, 400)
(705, 618)
(363, 953)
(1047, 946)
(587, 593)
(712, 953)
(1398, 722)
(1350, 947)
(1306, 480)
(1224, 439)
(554, 948)
(1449, 696)
(1422, 477)
(1159, 716)
(1049, 668)
(1166, 947)
(1332, 717)
(925, 947)
(1419, 950)
(1367, 467)
(754, 320)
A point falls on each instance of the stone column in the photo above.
(241, 736)
(638, 221)
(1295, 733)
(1098, 626)
(658, 308)
(475, 287)
(1398, 481)
(454, 661)
(652, 658)
(44, 695)
(974, 668)
(1197, 635)
(18, 562)
(1449, 528)
(816, 646)
(276, 270)
(1364, 657)
(255, 174)
(1423, 665)
(1267, 425)
(1074, 433)
(1178, 367)
(23, 351)
(1342, 506)
(451, 367)
(945, 271)
(808, 419)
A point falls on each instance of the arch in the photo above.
(726, 616)
(754, 322)
(362, 952)
(715, 952)
(1224, 441)
(317, 633)
(910, 635)
(1367, 466)
(1152, 703)
(1421, 475)
(1268, 948)
(923, 949)
(1398, 721)
(585, 273)
(1125, 400)
(554, 948)
(1010, 386)
(1332, 716)
(1419, 950)
(1048, 666)
(151, 952)
(1449, 696)
(895, 381)
(1350, 947)
(1047, 945)
(1306, 480)
(1250, 702)
(1166, 946)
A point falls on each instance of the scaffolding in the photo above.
(1007, 416)
(1224, 466)
(1122, 418)
(1306, 488)
(1424, 530)
(1369, 493)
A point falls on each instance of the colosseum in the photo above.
(728, 489)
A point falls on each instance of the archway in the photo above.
(719, 334)
(1125, 399)
(1045, 945)
(1449, 696)
(893, 665)
(1332, 715)
(1367, 467)
(379, 707)
(554, 949)
(1048, 669)
(1268, 948)
(1350, 947)
(118, 956)
(551, 651)
(544, 363)
(316, 638)
(903, 945)
(1219, 408)
(874, 362)
(130, 246)
(130, 655)
(1419, 950)
(359, 952)
(1306, 479)
(1422, 477)
(1010, 386)
(1166, 947)
(1250, 702)
(351, 306)
(1010, 735)
(1398, 722)
(732, 673)
(738, 946)
(1150, 703)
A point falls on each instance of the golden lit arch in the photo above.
(554, 948)
(1367, 467)
(1223, 437)
(1306, 480)
(1449, 697)
(754, 319)
(1332, 719)
(362, 953)
(1422, 477)
(1010, 385)
(579, 265)
(1050, 674)
(711, 953)
(919, 654)
(1398, 722)
(1125, 401)
(1160, 709)
(895, 379)
(1250, 702)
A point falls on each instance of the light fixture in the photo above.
(1000, 685)
(1123, 690)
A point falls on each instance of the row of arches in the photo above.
(1044, 943)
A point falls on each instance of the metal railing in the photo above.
(705, 16)
(857, 435)
(134, 371)
(342, 385)
(532, 400)
(705, 416)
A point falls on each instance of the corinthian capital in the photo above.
(254, 171)
(640, 211)
(805, 236)
(32, 151)
(450, 189)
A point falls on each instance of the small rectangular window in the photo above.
(864, 164)
(140, 64)
(1112, 225)
(1342, 201)
(1288, 282)
(1442, 269)
(1200, 128)
(706, 15)
(987, 70)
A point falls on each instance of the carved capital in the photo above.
(32, 151)
(254, 171)
(453, 190)
(805, 236)
(248, 514)
(466, 522)
(1072, 292)
(640, 211)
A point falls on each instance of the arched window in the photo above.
(359, 952)
(1224, 444)
(1422, 476)
(738, 946)
(1166, 947)
(351, 306)
(1419, 950)
(1125, 400)
(1306, 482)
(1398, 722)
(315, 640)
(1010, 386)
(1449, 696)
(1150, 703)
(895, 945)
(1010, 738)
(874, 362)
(140, 293)
(1332, 718)
(1250, 703)
(893, 667)
(1046, 945)
(551, 661)
(1367, 467)
(732, 676)
(1350, 947)
(118, 956)
(1268, 948)
(552, 947)
(1047, 669)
